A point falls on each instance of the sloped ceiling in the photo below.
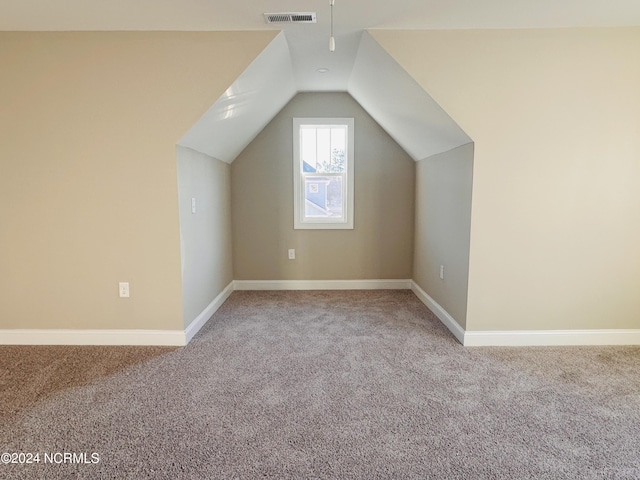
(247, 106)
(308, 43)
(291, 63)
(386, 91)
(401, 106)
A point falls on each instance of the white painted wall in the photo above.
(555, 117)
(442, 227)
(205, 236)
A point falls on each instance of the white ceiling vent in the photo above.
(296, 17)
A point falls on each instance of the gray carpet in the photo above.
(356, 384)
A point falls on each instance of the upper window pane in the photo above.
(323, 148)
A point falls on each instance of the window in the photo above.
(323, 173)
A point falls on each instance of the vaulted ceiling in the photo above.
(299, 58)
(375, 80)
(308, 43)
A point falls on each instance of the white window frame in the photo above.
(300, 221)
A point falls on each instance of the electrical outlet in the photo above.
(123, 287)
(292, 254)
(441, 272)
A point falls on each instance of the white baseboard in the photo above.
(199, 322)
(181, 338)
(439, 312)
(92, 337)
(115, 337)
(527, 338)
(322, 284)
(530, 338)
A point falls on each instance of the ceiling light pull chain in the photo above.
(332, 41)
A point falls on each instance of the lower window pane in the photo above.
(323, 197)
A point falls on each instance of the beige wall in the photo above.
(555, 117)
(442, 227)
(380, 245)
(205, 236)
(88, 191)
